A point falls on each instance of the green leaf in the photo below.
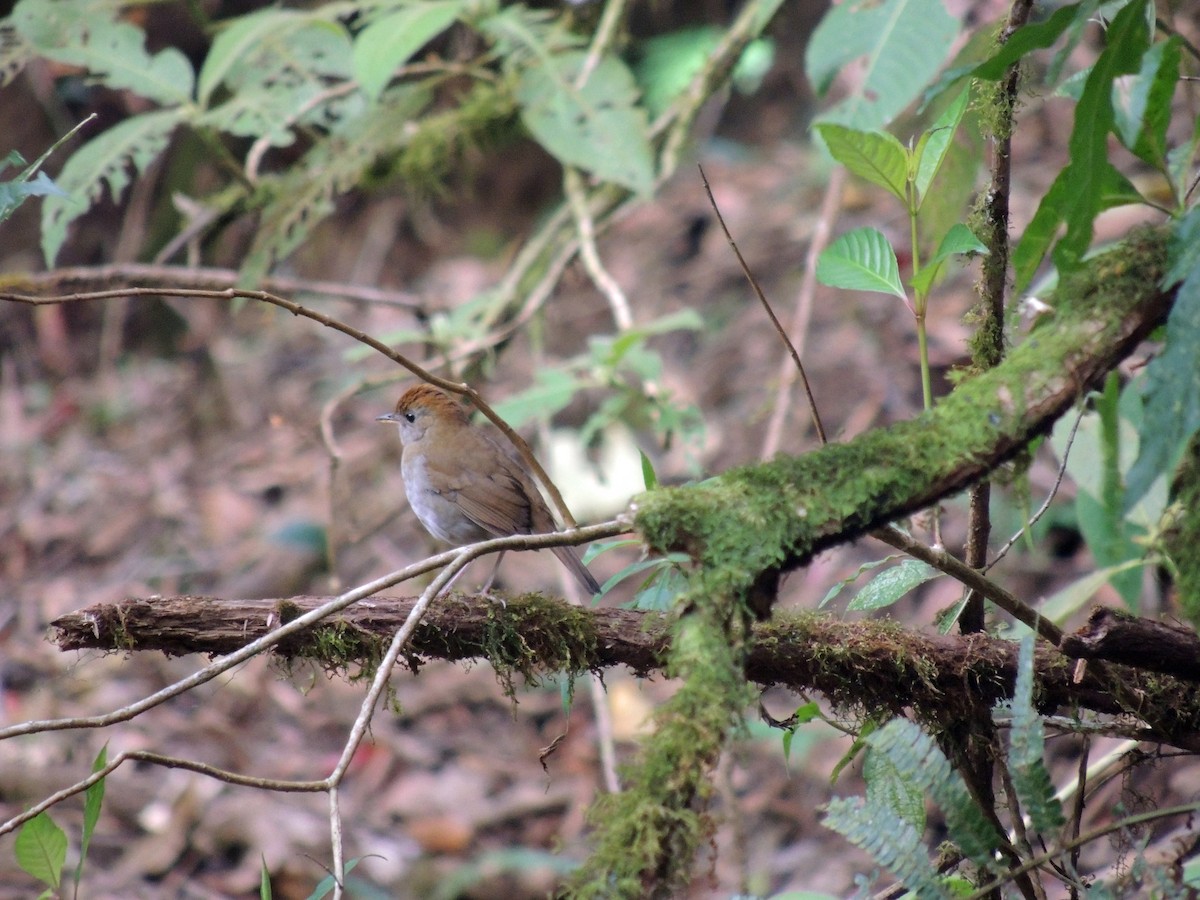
(861, 260)
(888, 786)
(936, 142)
(103, 162)
(1064, 603)
(93, 800)
(890, 840)
(905, 42)
(264, 880)
(891, 584)
(551, 391)
(1112, 189)
(1172, 395)
(959, 239)
(916, 756)
(1026, 749)
(239, 39)
(390, 42)
(86, 34)
(667, 63)
(1026, 39)
(278, 69)
(874, 155)
(1143, 118)
(597, 127)
(1089, 171)
(649, 478)
(41, 849)
(846, 582)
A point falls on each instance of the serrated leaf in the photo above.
(936, 143)
(905, 42)
(1026, 750)
(1172, 393)
(390, 42)
(891, 584)
(239, 38)
(77, 33)
(861, 260)
(41, 849)
(917, 758)
(279, 77)
(597, 127)
(888, 786)
(874, 155)
(104, 162)
(893, 842)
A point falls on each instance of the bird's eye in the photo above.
(410, 417)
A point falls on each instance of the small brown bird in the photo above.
(463, 484)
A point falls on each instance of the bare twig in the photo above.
(336, 324)
(822, 229)
(779, 329)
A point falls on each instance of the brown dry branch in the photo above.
(860, 665)
(1123, 638)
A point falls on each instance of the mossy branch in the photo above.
(777, 515)
(872, 666)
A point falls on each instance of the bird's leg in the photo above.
(487, 587)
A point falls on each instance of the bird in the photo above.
(464, 484)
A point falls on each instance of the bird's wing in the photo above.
(498, 503)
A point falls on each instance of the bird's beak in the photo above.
(390, 417)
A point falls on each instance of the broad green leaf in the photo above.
(1089, 169)
(874, 155)
(86, 34)
(278, 77)
(1104, 445)
(597, 127)
(959, 239)
(861, 260)
(103, 162)
(1172, 395)
(391, 41)
(551, 391)
(905, 42)
(665, 65)
(846, 582)
(936, 142)
(1026, 750)
(238, 39)
(1143, 116)
(1064, 603)
(891, 584)
(41, 849)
